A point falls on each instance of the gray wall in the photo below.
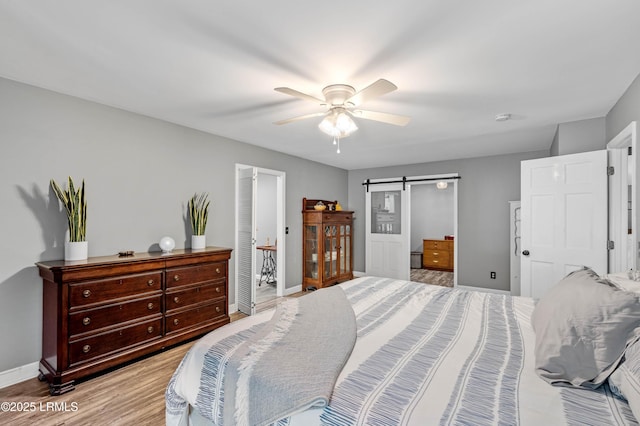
(139, 173)
(579, 136)
(431, 213)
(626, 110)
(266, 217)
(486, 186)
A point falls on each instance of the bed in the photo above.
(407, 353)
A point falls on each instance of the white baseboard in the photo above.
(19, 374)
(291, 290)
(358, 274)
(485, 290)
(233, 308)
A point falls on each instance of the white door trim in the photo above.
(624, 256)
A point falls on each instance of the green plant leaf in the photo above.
(198, 207)
(75, 204)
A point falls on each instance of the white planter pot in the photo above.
(198, 242)
(77, 250)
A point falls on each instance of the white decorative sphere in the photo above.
(167, 244)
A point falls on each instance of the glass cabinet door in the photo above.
(345, 261)
(330, 253)
(311, 251)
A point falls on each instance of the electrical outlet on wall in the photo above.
(493, 275)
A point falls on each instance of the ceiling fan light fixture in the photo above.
(337, 124)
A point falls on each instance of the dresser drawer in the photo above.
(337, 217)
(114, 341)
(195, 274)
(192, 317)
(437, 245)
(193, 295)
(92, 292)
(113, 314)
(437, 255)
(443, 263)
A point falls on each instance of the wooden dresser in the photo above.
(105, 311)
(437, 254)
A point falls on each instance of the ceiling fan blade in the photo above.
(301, 117)
(372, 91)
(291, 92)
(398, 120)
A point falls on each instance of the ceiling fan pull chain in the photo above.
(334, 140)
(338, 151)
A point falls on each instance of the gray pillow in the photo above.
(625, 380)
(583, 325)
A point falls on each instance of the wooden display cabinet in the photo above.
(327, 245)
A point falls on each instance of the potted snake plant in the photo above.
(198, 207)
(75, 205)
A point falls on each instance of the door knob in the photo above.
(525, 253)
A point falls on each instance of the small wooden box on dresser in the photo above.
(437, 254)
(105, 311)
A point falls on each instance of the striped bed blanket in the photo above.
(424, 355)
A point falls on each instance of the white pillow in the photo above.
(623, 282)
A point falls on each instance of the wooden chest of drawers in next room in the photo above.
(437, 254)
(195, 296)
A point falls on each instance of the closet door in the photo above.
(246, 240)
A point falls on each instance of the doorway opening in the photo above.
(260, 231)
(390, 218)
(432, 233)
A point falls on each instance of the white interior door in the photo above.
(246, 239)
(564, 218)
(387, 231)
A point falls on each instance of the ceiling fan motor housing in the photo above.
(337, 94)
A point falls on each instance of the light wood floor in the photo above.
(131, 395)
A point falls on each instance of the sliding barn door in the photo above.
(387, 231)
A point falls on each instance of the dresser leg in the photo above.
(63, 388)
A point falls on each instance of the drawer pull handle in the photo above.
(176, 277)
(217, 289)
(217, 308)
(150, 305)
(150, 329)
(86, 349)
(176, 321)
(150, 283)
(86, 293)
(86, 321)
(217, 270)
(176, 299)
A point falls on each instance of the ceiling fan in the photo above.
(341, 100)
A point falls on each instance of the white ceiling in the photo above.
(212, 66)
